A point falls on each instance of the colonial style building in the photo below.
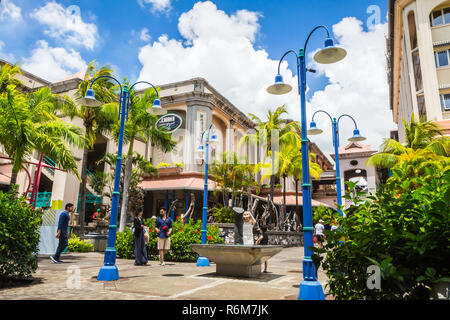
(418, 56)
(192, 106)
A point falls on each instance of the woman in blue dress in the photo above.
(140, 249)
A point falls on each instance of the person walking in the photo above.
(140, 249)
(247, 228)
(62, 234)
(264, 241)
(318, 231)
(163, 227)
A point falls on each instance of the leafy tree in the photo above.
(403, 229)
(29, 123)
(419, 135)
(140, 125)
(287, 134)
(96, 121)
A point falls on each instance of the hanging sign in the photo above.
(171, 121)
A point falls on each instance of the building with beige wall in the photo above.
(418, 56)
(197, 103)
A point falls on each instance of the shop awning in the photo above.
(178, 182)
(290, 200)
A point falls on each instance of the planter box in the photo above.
(169, 171)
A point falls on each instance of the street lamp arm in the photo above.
(323, 111)
(346, 115)
(157, 94)
(106, 76)
(309, 36)
(284, 55)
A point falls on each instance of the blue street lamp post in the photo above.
(310, 287)
(109, 271)
(335, 134)
(203, 261)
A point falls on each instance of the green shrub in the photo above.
(404, 229)
(78, 245)
(125, 244)
(183, 235)
(19, 236)
(223, 214)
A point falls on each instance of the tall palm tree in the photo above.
(290, 164)
(29, 123)
(286, 134)
(96, 121)
(140, 125)
(419, 135)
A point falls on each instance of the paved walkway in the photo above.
(75, 279)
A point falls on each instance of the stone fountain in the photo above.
(236, 259)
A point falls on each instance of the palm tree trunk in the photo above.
(83, 190)
(13, 180)
(125, 191)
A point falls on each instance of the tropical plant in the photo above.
(140, 125)
(403, 230)
(29, 123)
(96, 121)
(183, 235)
(235, 175)
(75, 244)
(19, 236)
(223, 214)
(274, 127)
(419, 135)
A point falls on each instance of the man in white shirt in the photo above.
(318, 231)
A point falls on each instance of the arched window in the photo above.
(440, 17)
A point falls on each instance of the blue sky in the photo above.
(158, 40)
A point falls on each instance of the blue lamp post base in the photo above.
(202, 262)
(311, 290)
(108, 273)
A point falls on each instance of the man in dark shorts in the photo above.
(264, 241)
(163, 227)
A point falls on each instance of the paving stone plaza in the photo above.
(75, 279)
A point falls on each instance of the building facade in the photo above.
(418, 59)
(196, 105)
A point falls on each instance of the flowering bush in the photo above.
(182, 236)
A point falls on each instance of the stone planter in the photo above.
(99, 241)
(169, 171)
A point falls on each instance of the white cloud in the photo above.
(53, 64)
(144, 36)
(220, 48)
(66, 24)
(157, 5)
(358, 86)
(9, 11)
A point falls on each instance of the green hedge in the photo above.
(183, 235)
(78, 245)
(404, 230)
(19, 236)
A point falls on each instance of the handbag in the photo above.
(314, 239)
(146, 236)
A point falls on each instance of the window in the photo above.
(445, 101)
(440, 17)
(442, 58)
